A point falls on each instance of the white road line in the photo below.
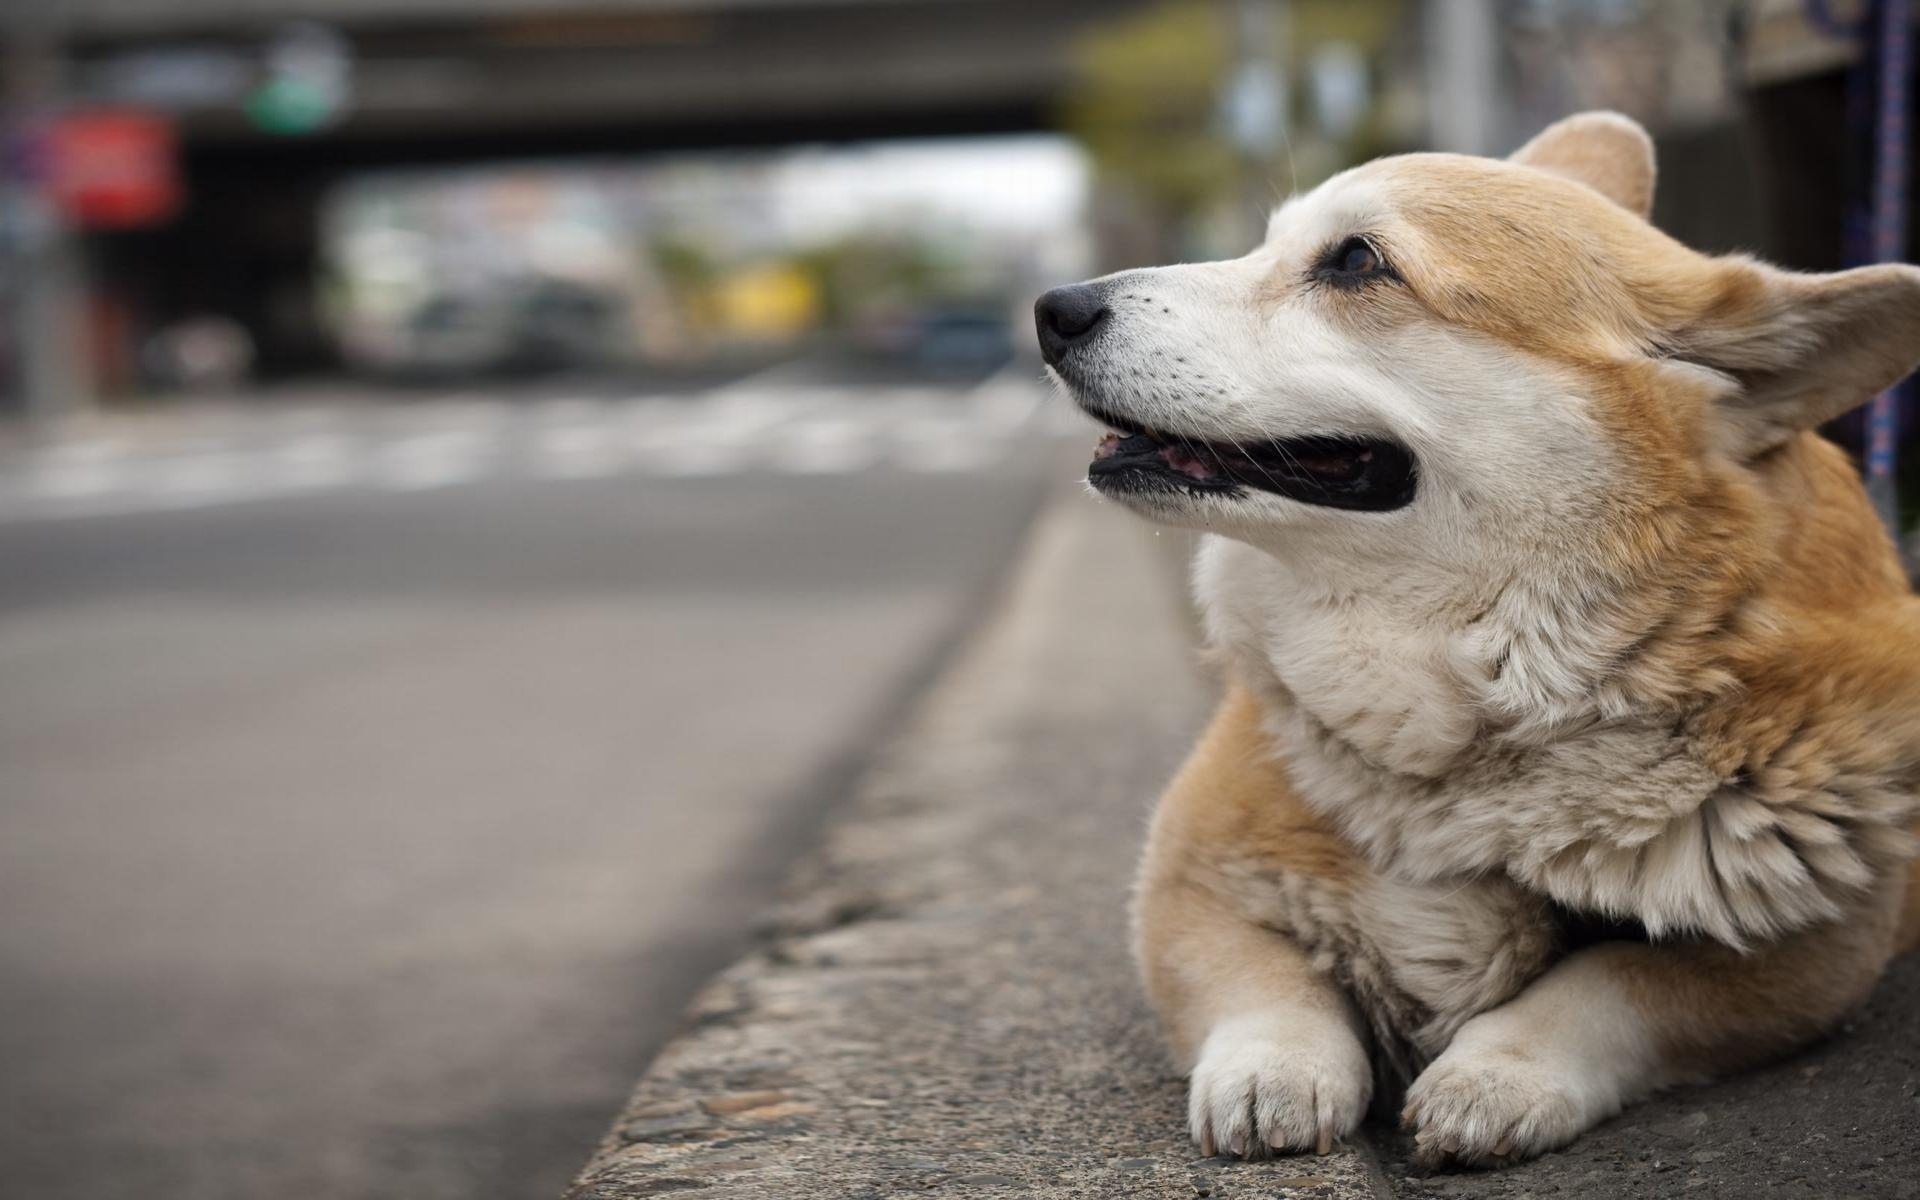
(948, 457)
(825, 446)
(698, 461)
(718, 433)
(92, 450)
(570, 410)
(579, 452)
(73, 480)
(315, 461)
(307, 419)
(1064, 419)
(199, 477)
(742, 416)
(461, 411)
(769, 421)
(840, 459)
(945, 442)
(665, 448)
(433, 460)
(1009, 398)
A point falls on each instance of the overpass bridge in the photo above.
(483, 78)
(447, 81)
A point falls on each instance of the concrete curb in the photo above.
(945, 1004)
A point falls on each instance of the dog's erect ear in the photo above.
(1803, 348)
(1609, 153)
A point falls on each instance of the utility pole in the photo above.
(1892, 48)
(1255, 104)
(1463, 76)
(40, 255)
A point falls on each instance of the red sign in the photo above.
(114, 170)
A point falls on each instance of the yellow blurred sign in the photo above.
(769, 302)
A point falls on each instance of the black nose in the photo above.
(1067, 315)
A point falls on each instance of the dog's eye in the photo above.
(1353, 261)
(1358, 258)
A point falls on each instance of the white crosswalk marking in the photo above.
(825, 446)
(431, 460)
(198, 476)
(579, 452)
(773, 422)
(314, 461)
(71, 480)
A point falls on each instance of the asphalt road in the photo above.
(343, 830)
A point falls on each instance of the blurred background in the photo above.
(475, 478)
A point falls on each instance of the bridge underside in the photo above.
(618, 82)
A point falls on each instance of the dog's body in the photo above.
(1573, 747)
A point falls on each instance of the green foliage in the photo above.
(1146, 103)
(857, 274)
(1147, 95)
(684, 263)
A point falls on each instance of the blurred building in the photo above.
(692, 257)
(1768, 122)
(1195, 116)
(273, 104)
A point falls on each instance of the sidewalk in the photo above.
(945, 1006)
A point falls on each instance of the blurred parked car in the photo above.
(960, 337)
(533, 326)
(952, 337)
(204, 354)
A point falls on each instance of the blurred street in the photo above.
(373, 768)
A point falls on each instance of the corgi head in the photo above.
(1464, 359)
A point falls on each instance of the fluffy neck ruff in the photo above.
(1611, 739)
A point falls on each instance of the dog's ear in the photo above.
(1608, 152)
(1802, 349)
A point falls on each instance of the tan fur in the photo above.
(1604, 151)
(1688, 695)
(1907, 940)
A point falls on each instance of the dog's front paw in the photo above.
(1278, 1084)
(1489, 1101)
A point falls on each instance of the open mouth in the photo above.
(1360, 473)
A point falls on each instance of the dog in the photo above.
(1571, 742)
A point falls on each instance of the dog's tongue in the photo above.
(1186, 463)
(1142, 446)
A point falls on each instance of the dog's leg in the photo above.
(1618, 1020)
(1276, 1053)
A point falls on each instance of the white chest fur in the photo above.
(1380, 711)
(1393, 688)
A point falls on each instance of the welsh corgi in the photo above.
(1571, 747)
